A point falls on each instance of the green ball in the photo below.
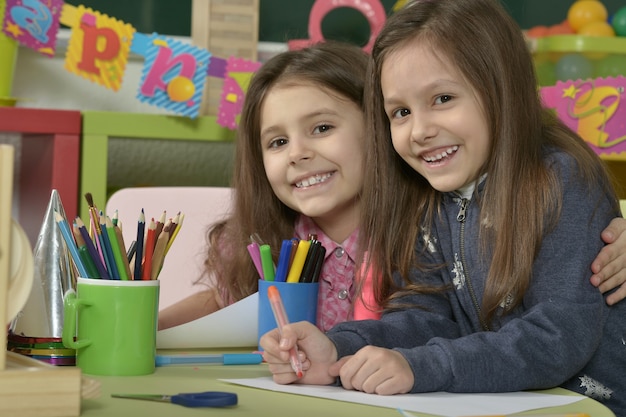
(573, 67)
(619, 22)
(611, 66)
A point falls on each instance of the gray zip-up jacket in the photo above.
(563, 334)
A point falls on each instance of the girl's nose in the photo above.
(423, 129)
(299, 151)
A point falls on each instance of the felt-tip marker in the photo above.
(209, 359)
(281, 320)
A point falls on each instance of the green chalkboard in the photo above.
(166, 17)
(281, 20)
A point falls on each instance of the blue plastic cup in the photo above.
(299, 299)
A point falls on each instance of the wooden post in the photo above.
(6, 198)
(225, 28)
(28, 387)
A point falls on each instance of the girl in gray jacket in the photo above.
(483, 211)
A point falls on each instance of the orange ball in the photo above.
(597, 29)
(583, 12)
(180, 89)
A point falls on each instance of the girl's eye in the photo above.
(443, 99)
(322, 129)
(277, 143)
(397, 114)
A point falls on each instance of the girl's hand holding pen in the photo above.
(316, 352)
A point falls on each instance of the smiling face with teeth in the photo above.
(312, 144)
(436, 119)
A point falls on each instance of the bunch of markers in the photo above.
(299, 260)
(100, 252)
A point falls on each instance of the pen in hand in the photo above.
(281, 320)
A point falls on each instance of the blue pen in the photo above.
(210, 359)
(283, 261)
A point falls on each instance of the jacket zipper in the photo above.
(461, 216)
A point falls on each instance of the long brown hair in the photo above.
(522, 197)
(336, 67)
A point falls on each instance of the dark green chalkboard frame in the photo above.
(281, 20)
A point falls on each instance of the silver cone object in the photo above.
(54, 274)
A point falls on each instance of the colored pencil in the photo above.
(118, 254)
(92, 249)
(107, 248)
(148, 251)
(130, 253)
(175, 231)
(159, 226)
(141, 227)
(159, 251)
(122, 247)
(90, 266)
(174, 222)
(71, 245)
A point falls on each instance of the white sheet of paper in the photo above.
(439, 403)
(233, 326)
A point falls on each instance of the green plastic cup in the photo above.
(112, 326)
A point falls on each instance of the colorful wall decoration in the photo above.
(593, 108)
(173, 74)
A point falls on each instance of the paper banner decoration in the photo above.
(99, 47)
(238, 74)
(33, 24)
(594, 109)
(174, 75)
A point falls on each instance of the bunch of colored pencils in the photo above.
(100, 252)
(299, 260)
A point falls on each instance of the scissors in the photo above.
(190, 399)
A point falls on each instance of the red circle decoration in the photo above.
(373, 11)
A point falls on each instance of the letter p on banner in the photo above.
(98, 48)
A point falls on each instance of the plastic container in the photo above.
(574, 57)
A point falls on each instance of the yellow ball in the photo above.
(583, 12)
(597, 29)
(180, 89)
